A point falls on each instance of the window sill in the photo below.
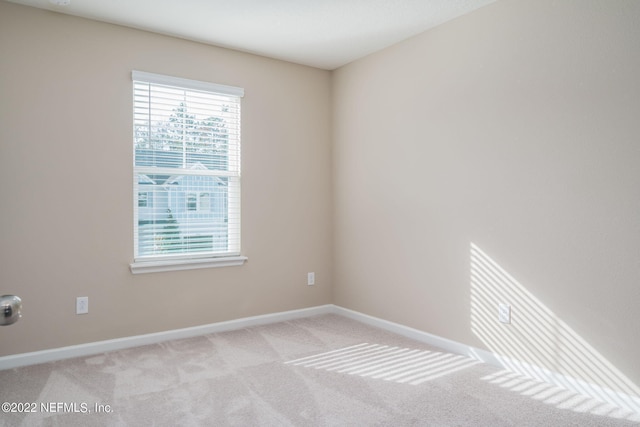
(182, 264)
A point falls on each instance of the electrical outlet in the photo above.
(82, 305)
(311, 279)
(504, 313)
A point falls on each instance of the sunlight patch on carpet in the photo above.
(557, 396)
(402, 365)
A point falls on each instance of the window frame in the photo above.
(189, 260)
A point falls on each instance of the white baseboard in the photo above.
(622, 400)
(418, 335)
(33, 358)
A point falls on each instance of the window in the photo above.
(204, 202)
(143, 200)
(199, 202)
(192, 202)
(186, 142)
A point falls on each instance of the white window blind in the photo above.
(186, 143)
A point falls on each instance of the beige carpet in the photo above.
(319, 371)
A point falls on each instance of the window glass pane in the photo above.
(185, 208)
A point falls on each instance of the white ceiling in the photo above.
(321, 33)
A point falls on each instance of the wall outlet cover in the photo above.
(82, 305)
(504, 313)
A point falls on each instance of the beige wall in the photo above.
(491, 160)
(66, 194)
(512, 132)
